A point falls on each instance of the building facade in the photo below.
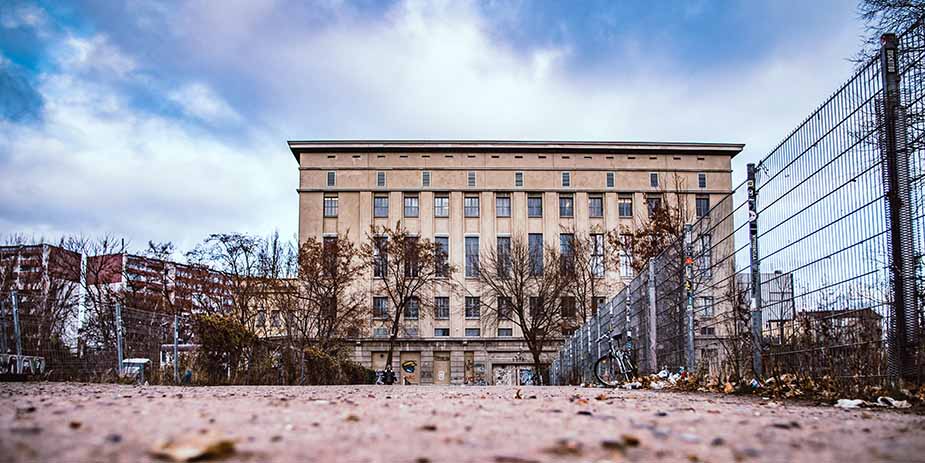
(465, 195)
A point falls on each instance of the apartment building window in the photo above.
(535, 244)
(708, 330)
(442, 254)
(505, 308)
(567, 252)
(567, 307)
(441, 332)
(566, 179)
(380, 308)
(330, 205)
(380, 332)
(611, 179)
(380, 179)
(566, 205)
(702, 180)
(412, 265)
(702, 204)
(504, 256)
(473, 307)
(471, 179)
(472, 256)
(503, 205)
(441, 206)
(535, 307)
(505, 332)
(705, 259)
(261, 319)
(442, 308)
(380, 206)
(597, 255)
(596, 206)
(412, 207)
(471, 206)
(518, 179)
(329, 254)
(653, 179)
(704, 306)
(534, 206)
(412, 309)
(425, 178)
(332, 178)
(626, 259)
(473, 332)
(625, 205)
(655, 203)
(381, 257)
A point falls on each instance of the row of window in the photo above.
(473, 307)
(382, 332)
(472, 208)
(610, 179)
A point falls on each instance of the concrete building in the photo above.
(466, 194)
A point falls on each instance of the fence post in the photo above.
(755, 268)
(689, 287)
(651, 331)
(119, 337)
(3, 327)
(176, 357)
(17, 332)
(904, 329)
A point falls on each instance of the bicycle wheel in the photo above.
(607, 371)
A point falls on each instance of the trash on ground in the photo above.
(194, 447)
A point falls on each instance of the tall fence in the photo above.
(812, 265)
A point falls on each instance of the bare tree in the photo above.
(587, 271)
(526, 286)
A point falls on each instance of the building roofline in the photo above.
(331, 146)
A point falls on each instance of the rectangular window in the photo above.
(708, 331)
(441, 259)
(567, 252)
(703, 205)
(412, 309)
(442, 308)
(625, 205)
(535, 243)
(534, 206)
(380, 179)
(473, 307)
(411, 205)
(412, 264)
(535, 307)
(626, 258)
(597, 255)
(503, 205)
(330, 206)
(329, 254)
(653, 180)
(596, 206)
(654, 203)
(566, 179)
(380, 308)
(380, 206)
(381, 257)
(505, 332)
(702, 180)
(518, 179)
(472, 256)
(441, 332)
(566, 205)
(332, 178)
(567, 307)
(380, 332)
(473, 332)
(611, 180)
(441, 206)
(704, 306)
(425, 178)
(705, 257)
(411, 331)
(504, 256)
(505, 308)
(471, 206)
(471, 179)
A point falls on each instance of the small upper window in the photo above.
(653, 180)
(518, 179)
(425, 178)
(611, 180)
(566, 179)
(702, 180)
(471, 179)
(332, 178)
(380, 178)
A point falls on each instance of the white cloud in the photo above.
(199, 101)
(14, 16)
(95, 54)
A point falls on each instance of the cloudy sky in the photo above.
(168, 120)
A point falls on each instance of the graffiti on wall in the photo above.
(409, 367)
(504, 376)
(11, 364)
(526, 377)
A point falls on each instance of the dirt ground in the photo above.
(69, 422)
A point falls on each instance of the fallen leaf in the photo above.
(729, 388)
(194, 447)
(565, 447)
(517, 395)
(352, 418)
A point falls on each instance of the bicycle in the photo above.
(615, 366)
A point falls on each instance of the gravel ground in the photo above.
(71, 422)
